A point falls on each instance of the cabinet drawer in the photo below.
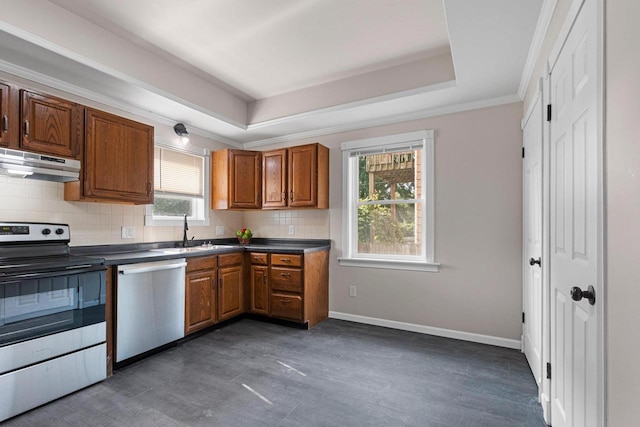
(286, 279)
(258, 258)
(229, 259)
(288, 260)
(286, 306)
(202, 263)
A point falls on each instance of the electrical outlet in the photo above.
(292, 230)
(219, 230)
(352, 291)
(128, 231)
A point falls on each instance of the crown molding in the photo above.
(367, 101)
(416, 115)
(544, 20)
(63, 86)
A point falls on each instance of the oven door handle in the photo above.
(150, 268)
(79, 269)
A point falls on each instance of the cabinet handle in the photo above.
(284, 195)
(288, 260)
(285, 301)
(285, 274)
(264, 278)
(213, 283)
(148, 188)
(26, 128)
(291, 196)
(5, 123)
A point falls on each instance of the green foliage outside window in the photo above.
(165, 206)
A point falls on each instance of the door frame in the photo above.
(572, 15)
(543, 319)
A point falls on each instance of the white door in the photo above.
(575, 226)
(532, 269)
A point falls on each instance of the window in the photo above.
(388, 199)
(180, 188)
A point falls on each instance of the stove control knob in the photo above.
(59, 231)
(46, 231)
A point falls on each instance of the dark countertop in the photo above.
(160, 251)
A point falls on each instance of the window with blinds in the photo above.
(179, 185)
(178, 173)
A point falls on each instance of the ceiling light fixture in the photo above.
(181, 131)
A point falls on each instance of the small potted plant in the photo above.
(244, 236)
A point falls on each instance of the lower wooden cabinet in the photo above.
(297, 287)
(293, 287)
(286, 306)
(230, 293)
(259, 290)
(200, 293)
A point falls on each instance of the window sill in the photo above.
(432, 267)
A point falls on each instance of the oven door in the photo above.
(42, 303)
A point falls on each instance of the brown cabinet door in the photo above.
(118, 158)
(274, 179)
(51, 125)
(303, 180)
(245, 179)
(230, 295)
(200, 302)
(259, 289)
(9, 110)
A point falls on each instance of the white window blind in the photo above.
(178, 173)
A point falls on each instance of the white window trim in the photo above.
(158, 222)
(350, 185)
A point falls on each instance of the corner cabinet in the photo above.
(117, 164)
(236, 179)
(296, 177)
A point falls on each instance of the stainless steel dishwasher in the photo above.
(149, 306)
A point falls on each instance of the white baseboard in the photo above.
(429, 330)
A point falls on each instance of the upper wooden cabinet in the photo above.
(117, 164)
(235, 179)
(9, 112)
(50, 125)
(296, 177)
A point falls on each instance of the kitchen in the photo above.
(467, 177)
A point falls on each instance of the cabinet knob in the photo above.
(291, 196)
(5, 123)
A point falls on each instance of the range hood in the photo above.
(38, 166)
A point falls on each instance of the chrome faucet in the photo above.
(184, 236)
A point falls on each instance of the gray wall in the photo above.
(478, 229)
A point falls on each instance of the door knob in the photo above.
(577, 294)
(533, 262)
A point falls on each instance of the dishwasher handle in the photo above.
(150, 267)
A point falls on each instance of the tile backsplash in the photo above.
(101, 223)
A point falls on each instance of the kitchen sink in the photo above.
(193, 249)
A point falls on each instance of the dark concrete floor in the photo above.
(337, 374)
